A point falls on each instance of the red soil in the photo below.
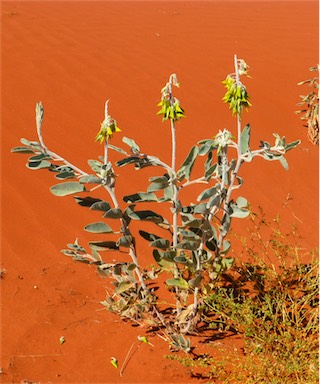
(73, 56)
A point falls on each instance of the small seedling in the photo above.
(114, 362)
(138, 343)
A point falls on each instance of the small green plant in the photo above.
(193, 253)
(140, 340)
(310, 112)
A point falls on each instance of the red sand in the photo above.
(73, 56)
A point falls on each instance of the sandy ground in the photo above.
(73, 56)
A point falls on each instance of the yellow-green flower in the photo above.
(107, 129)
(236, 96)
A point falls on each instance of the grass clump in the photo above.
(271, 300)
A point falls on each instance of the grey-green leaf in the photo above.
(160, 243)
(140, 196)
(21, 150)
(178, 282)
(207, 193)
(39, 164)
(188, 164)
(124, 241)
(131, 143)
(245, 139)
(113, 213)
(98, 227)
(67, 188)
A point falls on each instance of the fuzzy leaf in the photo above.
(188, 164)
(90, 179)
(160, 243)
(39, 164)
(128, 160)
(67, 188)
(207, 193)
(245, 139)
(113, 213)
(21, 150)
(189, 245)
(124, 286)
(140, 196)
(117, 149)
(98, 227)
(100, 205)
(179, 282)
(284, 163)
(86, 201)
(149, 236)
(124, 241)
(65, 175)
(103, 245)
(132, 144)
(195, 282)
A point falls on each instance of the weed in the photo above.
(310, 112)
(273, 306)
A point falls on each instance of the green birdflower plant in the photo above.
(193, 253)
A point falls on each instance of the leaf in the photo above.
(245, 139)
(86, 201)
(100, 205)
(178, 282)
(21, 150)
(189, 245)
(165, 264)
(128, 160)
(226, 247)
(65, 175)
(117, 149)
(124, 286)
(39, 164)
(239, 213)
(95, 165)
(90, 179)
(188, 164)
(227, 262)
(156, 186)
(40, 157)
(140, 196)
(131, 143)
(284, 163)
(146, 215)
(114, 362)
(98, 227)
(67, 188)
(242, 202)
(207, 193)
(195, 282)
(209, 172)
(292, 145)
(149, 236)
(124, 241)
(103, 245)
(113, 213)
(160, 243)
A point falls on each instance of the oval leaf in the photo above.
(99, 227)
(67, 188)
(179, 282)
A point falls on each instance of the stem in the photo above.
(106, 148)
(239, 160)
(174, 145)
(132, 249)
(56, 157)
